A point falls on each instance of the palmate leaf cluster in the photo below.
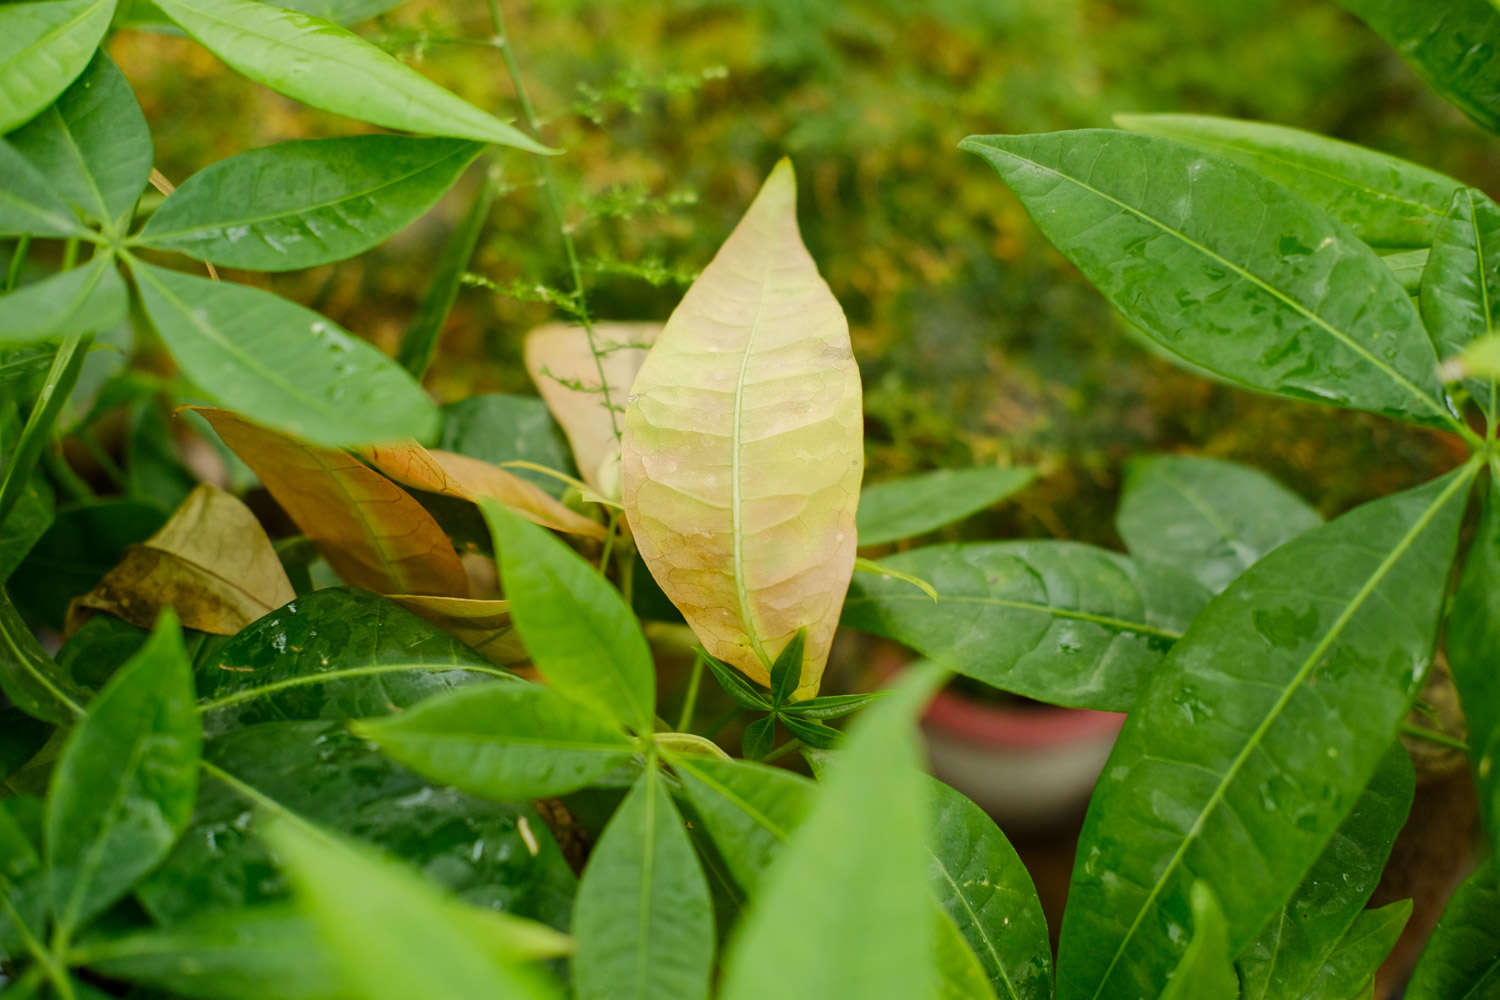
(370, 790)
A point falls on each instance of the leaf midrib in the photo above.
(736, 472)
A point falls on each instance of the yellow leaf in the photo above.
(212, 562)
(563, 367)
(483, 625)
(373, 533)
(743, 448)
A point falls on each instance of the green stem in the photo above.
(17, 260)
(61, 378)
(1433, 736)
(610, 530)
(104, 459)
(64, 475)
(70, 254)
(690, 700)
(781, 751)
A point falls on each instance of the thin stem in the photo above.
(104, 459)
(781, 751)
(70, 254)
(17, 259)
(610, 531)
(690, 700)
(61, 378)
(1433, 736)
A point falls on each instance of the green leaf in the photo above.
(1205, 971)
(332, 68)
(961, 976)
(643, 918)
(787, 670)
(100, 646)
(295, 370)
(902, 508)
(23, 897)
(1473, 650)
(508, 741)
(21, 738)
(1388, 202)
(391, 933)
(43, 46)
(28, 203)
(1461, 283)
(832, 706)
(420, 341)
(749, 809)
(1286, 957)
(87, 299)
(1226, 269)
(824, 923)
(811, 732)
(863, 565)
(332, 654)
(1208, 518)
(499, 855)
(308, 201)
(1452, 52)
(1213, 777)
(580, 632)
(34, 508)
(92, 145)
(1407, 266)
(497, 428)
(1349, 972)
(1061, 622)
(28, 677)
(124, 787)
(1462, 958)
(342, 11)
(759, 738)
(85, 542)
(741, 691)
(984, 887)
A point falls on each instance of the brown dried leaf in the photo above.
(483, 625)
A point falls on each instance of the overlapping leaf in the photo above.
(1205, 971)
(902, 508)
(1462, 958)
(28, 203)
(1473, 649)
(1461, 283)
(87, 299)
(43, 46)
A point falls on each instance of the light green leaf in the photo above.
(319, 63)
(643, 917)
(743, 450)
(580, 632)
(1407, 266)
(749, 809)
(308, 201)
(87, 299)
(1462, 958)
(505, 741)
(1226, 269)
(1461, 287)
(295, 370)
(902, 508)
(1349, 972)
(28, 203)
(1205, 971)
(92, 145)
(961, 976)
(1388, 202)
(1208, 518)
(1213, 777)
(123, 790)
(341, 11)
(1473, 650)
(1064, 623)
(43, 46)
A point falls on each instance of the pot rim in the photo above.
(1036, 728)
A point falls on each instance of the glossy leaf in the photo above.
(1287, 955)
(567, 371)
(1205, 971)
(43, 46)
(1349, 973)
(28, 203)
(92, 145)
(902, 508)
(497, 428)
(1473, 645)
(484, 625)
(124, 787)
(580, 632)
(211, 563)
(392, 934)
(307, 202)
(750, 810)
(1462, 958)
(420, 341)
(1388, 202)
(1213, 777)
(1061, 622)
(509, 742)
(373, 533)
(743, 447)
(1452, 52)
(643, 919)
(294, 369)
(981, 883)
(820, 926)
(332, 68)
(1226, 269)
(86, 299)
(1208, 518)
(1462, 281)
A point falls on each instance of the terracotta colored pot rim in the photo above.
(1039, 728)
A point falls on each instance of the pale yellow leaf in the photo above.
(483, 625)
(563, 366)
(743, 448)
(212, 562)
(373, 533)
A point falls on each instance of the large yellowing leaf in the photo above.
(373, 533)
(212, 562)
(483, 624)
(567, 371)
(743, 447)
(455, 475)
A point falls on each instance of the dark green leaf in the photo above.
(153, 472)
(92, 145)
(1387, 201)
(28, 677)
(748, 809)
(1462, 958)
(1205, 971)
(43, 46)
(87, 299)
(1208, 518)
(787, 669)
(1349, 973)
(580, 632)
(1061, 622)
(831, 706)
(1473, 650)
(981, 883)
(124, 788)
(420, 341)
(84, 543)
(102, 645)
(1213, 777)
(505, 741)
(308, 201)
(295, 370)
(902, 508)
(28, 204)
(643, 919)
(1461, 282)
(32, 514)
(23, 894)
(21, 736)
(334, 69)
(812, 733)
(1226, 269)
(499, 428)
(736, 686)
(759, 738)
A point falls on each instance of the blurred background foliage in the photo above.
(978, 343)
